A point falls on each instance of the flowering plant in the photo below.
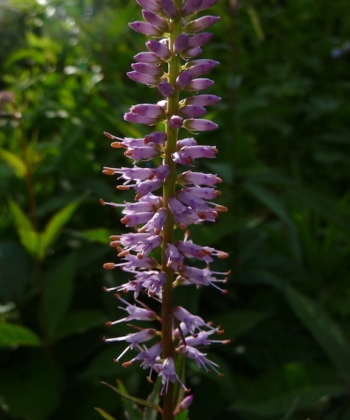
(177, 38)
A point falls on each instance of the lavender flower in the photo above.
(186, 198)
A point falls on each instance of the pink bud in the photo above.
(148, 57)
(199, 84)
(149, 69)
(181, 43)
(201, 23)
(202, 100)
(190, 6)
(166, 89)
(192, 111)
(143, 78)
(175, 122)
(199, 125)
(169, 8)
(155, 20)
(158, 48)
(200, 39)
(183, 79)
(145, 28)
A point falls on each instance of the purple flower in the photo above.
(147, 68)
(145, 28)
(181, 43)
(192, 111)
(159, 49)
(143, 78)
(133, 339)
(190, 6)
(168, 374)
(183, 79)
(200, 39)
(168, 8)
(199, 84)
(148, 57)
(201, 23)
(155, 20)
(199, 125)
(165, 89)
(165, 199)
(202, 100)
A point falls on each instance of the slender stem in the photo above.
(168, 230)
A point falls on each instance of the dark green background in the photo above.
(284, 156)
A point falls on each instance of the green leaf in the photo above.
(149, 413)
(99, 235)
(28, 388)
(55, 225)
(78, 322)
(323, 328)
(16, 163)
(131, 410)
(102, 364)
(21, 220)
(239, 322)
(16, 335)
(58, 290)
(274, 392)
(123, 393)
(16, 272)
(104, 414)
(271, 201)
(183, 415)
(28, 237)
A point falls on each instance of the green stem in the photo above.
(168, 230)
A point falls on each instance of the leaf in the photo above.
(275, 392)
(58, 290)
(292, 409)
(104, 414)
(131, 410)
(21, 220)
(271, 201)
(78, 322)
(133, 399)
(16, 335)
(183, 415)
(100, 235)
(55, 225)
(16, 272)
(323, 328)
(239, 322)
(150, 413)
(102, 364)
(27, 387)
(16, 163)
(28, 237)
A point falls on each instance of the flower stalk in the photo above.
(170, 65)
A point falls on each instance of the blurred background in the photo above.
(284, 156)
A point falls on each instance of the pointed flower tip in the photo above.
(109, 266)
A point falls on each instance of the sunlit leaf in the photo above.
(55, 225)
(104, 414)
(15, 162)
(16, 335)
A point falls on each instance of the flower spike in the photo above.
(167, 196)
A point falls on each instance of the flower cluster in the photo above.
(170, 65)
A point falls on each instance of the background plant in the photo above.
(284, 147)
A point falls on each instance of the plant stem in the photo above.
(168, 230)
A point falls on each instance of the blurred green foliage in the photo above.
(284, 155)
